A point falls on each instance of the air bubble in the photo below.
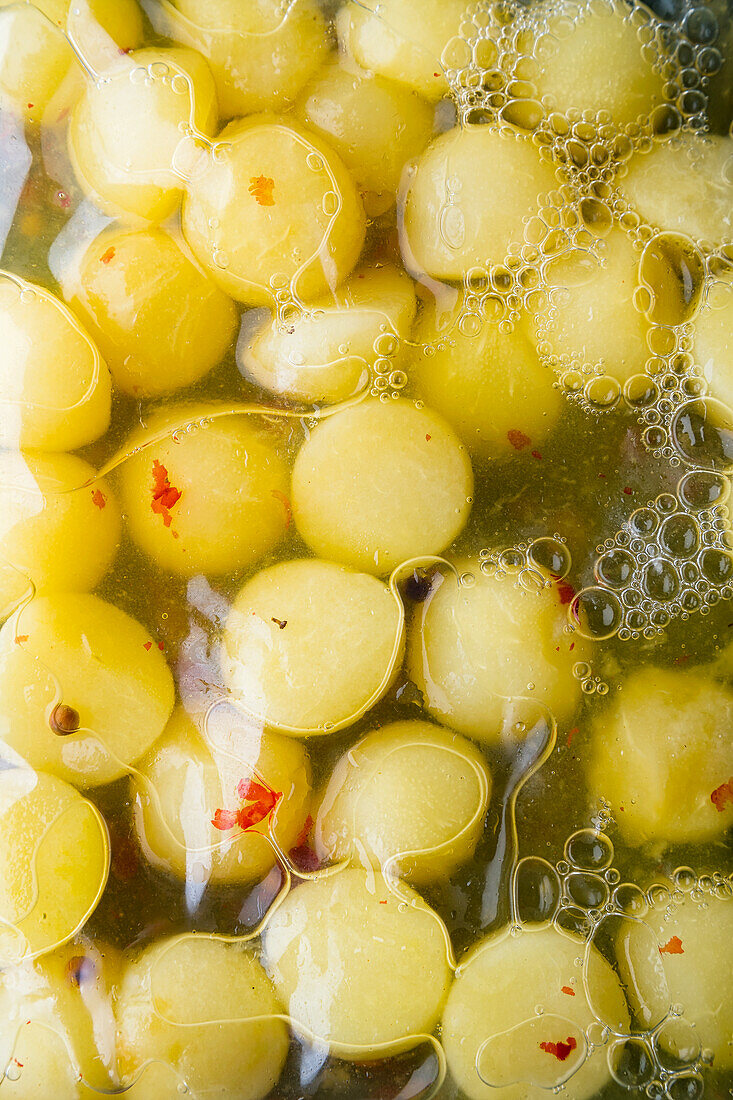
(702, 432)
(597, 613)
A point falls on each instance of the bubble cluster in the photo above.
(584, 896)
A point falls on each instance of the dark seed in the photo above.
(64, 720)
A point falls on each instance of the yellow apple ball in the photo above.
(54, 534)
(126, 133)
(660, 753)
(685, 955)
(205, 499)
(403, 40)
(198, 1015)
(488, 384)
(160, 322)
(54, 861)
(591, 320)
(713, 343)
(497, 1041)
(84, 691)
(261, 53)
(473, 190)
(273, 208)
(329, 352)
(379, 483)
(597, 61)
(36, 59)
(409, 798)
(300, 624)
(684, 185)
(376, 126)
(181, 784)
(57, 1028)
(478, 650)
(324, 946)
(55, 390)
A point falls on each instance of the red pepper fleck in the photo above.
(286, 505)
(261, 188)
(165, 495)
(19, 638)
(572, 647)
(147, 645)
(628, 491)
(99, 499)
(571, 735)
(673, 946)
(560, 1050)
(565, 591)
(722, 795)
(537, 455)
(383, 902)
(107, 256)
(224, 819)
(161, 646)
(436, 74)
(303, 834)
(568, 989)
(30, 105)
(601, 475)
(428, 438)
(518, 439)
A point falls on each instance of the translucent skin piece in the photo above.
(375, 126)
(126, 130)
(693, 947)
(56, 1022)
(233, 487)
(327, 354)
(301, 624)
(684, 185)
(491, 1029)
(35, 56)
(80, 652)
(273, 207)
(54, 861)
(161, 322)
(199, 1007)
(472, 650)
(597, 64)
(53, 534)
(42, 406)
(325, 944)
(410, 787)
(596, 323)
(403, 40)
(380, 483)
(487, 386)
(646, 759)
(261, 55)
(467, 203)
(184, 784)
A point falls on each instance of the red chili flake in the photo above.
(30, 105)
(161, 646)
(673, 946)
(224, 819)
(282, 623)
(428, 438)
(571, 735)
(19, 638)
(628, 491)
(303, 834)
(383, 902)
(568, 989)
(107, 256)
(537, 455)
(602, 475)
(565, 591)
(147, 645)
(165, 495)
(722, 795)
(286, 505)
(572, 647)
(99, 499)
(436, 74)
(518, 439)
(261, 188)
(560, 1050)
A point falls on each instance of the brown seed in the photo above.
(64, 720)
